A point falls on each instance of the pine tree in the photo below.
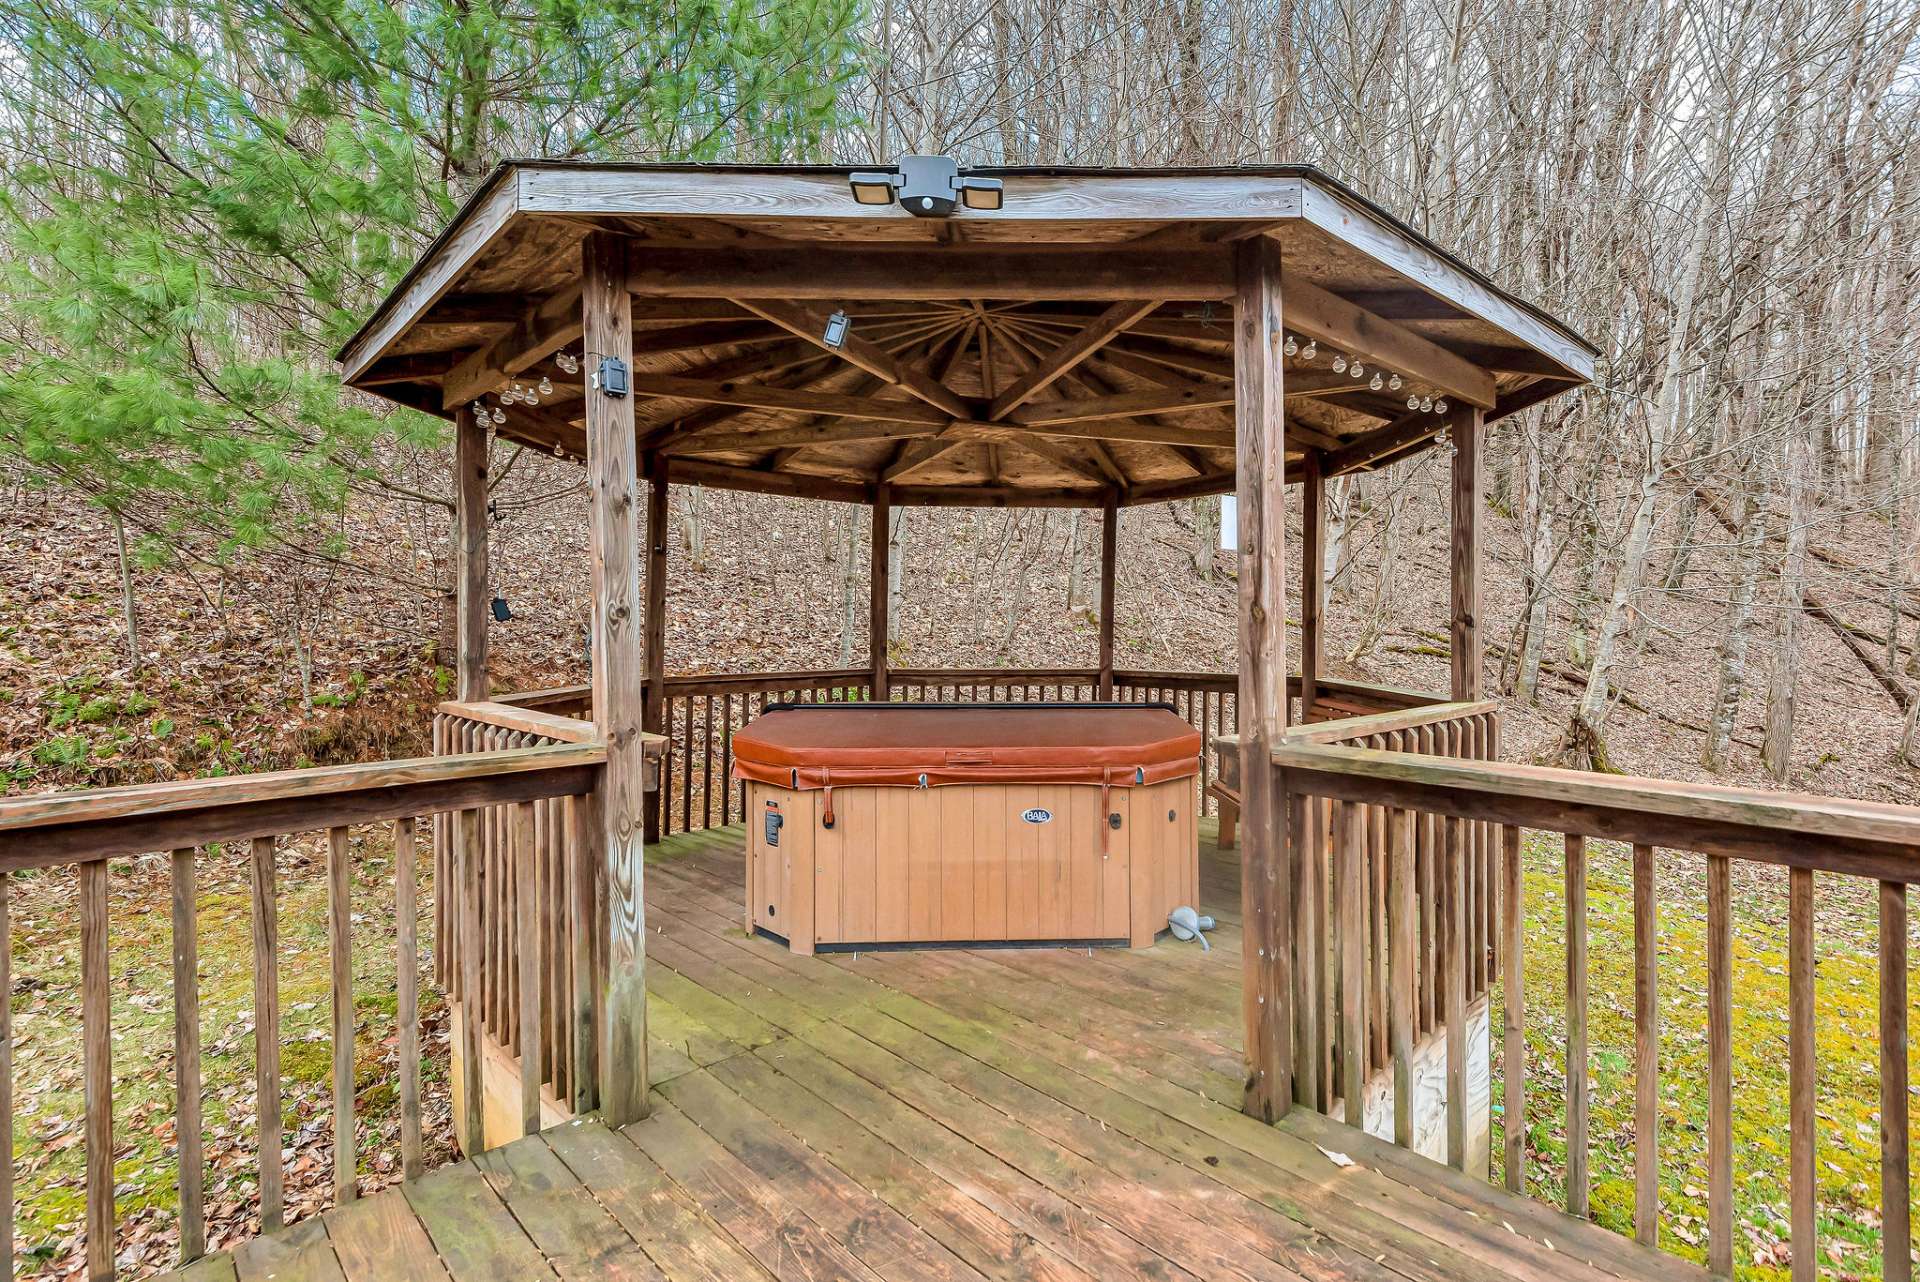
(202, 201)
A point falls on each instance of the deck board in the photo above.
(1033, 1115)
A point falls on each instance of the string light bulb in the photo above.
(546, 386)
(1377, 382)
(1307, 352)
(1292, 347)
(499, 415)
(1440, 406)
(1393, 383)
(1426, 403)
(1413, 402)
(1339, 364)
(1357, 370)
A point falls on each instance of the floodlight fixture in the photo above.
(926, 187)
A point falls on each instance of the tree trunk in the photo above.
(1535, 578)
(896, 570)
(1206, 534)
(693, 529)
(127, 612)
(851, 583)
(1735, 640)
(1776, 748)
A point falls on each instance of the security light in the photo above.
(835, 334)
(611, 377)
(926, 187)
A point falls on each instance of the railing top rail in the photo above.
(512, 717)
(1345, 728)
(67, 827)
(1866, 838)
(1348, 728)
(1395, 695)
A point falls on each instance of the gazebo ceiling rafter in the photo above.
(1075, 345)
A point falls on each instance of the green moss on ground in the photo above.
(1847, 1049)
(49, 1155)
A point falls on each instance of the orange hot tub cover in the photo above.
(928, 745)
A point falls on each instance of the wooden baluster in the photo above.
(442, 937)
(340, 954)
(1309, 939)
(530, 955)
(1426, 829)
(1895, 1208)
(686, 764)
(706, 761)
(266, 1032)
(1646, 1033)
(1720, 1065)
(1513, 1059)
(468, 835)
(1349, 839)
(1454, 978)
(1400, 956)
(726, 763)
(97, 1034)
(1576, 927)
(1800, 1074)
(186, 1058)
(488, 1008)
(587, 932)
(406, 903)
(1378, 1054)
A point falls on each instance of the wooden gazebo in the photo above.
(1103, 338)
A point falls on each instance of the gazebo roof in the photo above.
(1073, 345)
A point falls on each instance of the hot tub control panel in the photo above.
(774, 821)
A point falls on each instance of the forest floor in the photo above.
(219, 689)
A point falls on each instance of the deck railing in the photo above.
(536, 912)
(384, 801)
(1345, 882)
(1382, 787)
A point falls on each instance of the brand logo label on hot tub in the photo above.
(1037, 815)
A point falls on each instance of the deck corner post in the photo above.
(877, 572)
(470, 554)
(1109, 548)
(1260, 502)
(1466, 424)
(620, 668)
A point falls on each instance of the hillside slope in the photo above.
(220, 689)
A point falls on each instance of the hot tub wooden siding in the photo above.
(958, 864)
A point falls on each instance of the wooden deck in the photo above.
(1032, 1114)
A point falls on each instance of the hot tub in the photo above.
(928, 824)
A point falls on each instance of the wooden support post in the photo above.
(1469, 489)
(1313, 579)
(618, 659)
(654, 710)
(470, 553)
(877, 568)
(1109, 547)
(1265, 876)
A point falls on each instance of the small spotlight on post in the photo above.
(979, 193)
(835, 335)
(873, 188)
